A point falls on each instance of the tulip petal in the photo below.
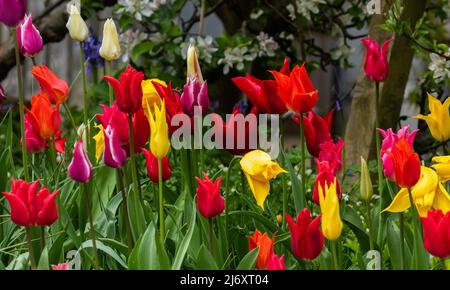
(400, 203)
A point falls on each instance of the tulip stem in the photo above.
(85, 101)
(402, 240)
(30, 248)
(303, 160)
(369, 225)
(227, 190)
(53, 152)
(333, 245)
(161, 208)
(379, 168)
(415, 264)
(133, 159)
(21, 106)
(125, 209)
(445, 264)
(69, 114)
(91, 223)
(110, 92)
(201, 25)
(211, 235)
(42, 232)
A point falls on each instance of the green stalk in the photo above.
(227, 190)
(109, 69)
(53, 152)
(120, 182)
(303, 160)
(30, 248)
(134, 173)
(402, 240)
(379, 165)
(69, 114)
(84, 93)
(161, 208)
(91, 223)
(42, 236)
(211, 235)
(369, 225)
(21, 106)
(335, 265)
(415, 218)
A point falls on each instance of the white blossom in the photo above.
(235, 57)
(139, 8)
(205, 46)
(304, 8)
(440, 67)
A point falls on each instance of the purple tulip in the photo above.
(12, 11)
(29, 38)
(194, 94)
(114, 155)
(80, 169)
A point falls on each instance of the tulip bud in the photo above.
(110, 49)
(193, 66)
(78, 29)
(12, 11)
(28, 37)
(114, 155)
(366, 189)
(80, 169)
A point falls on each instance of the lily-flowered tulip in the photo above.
(210, 202)
(195, 94)
(259, 169)
(296, 90)
(406, 163)
(171, 101)
(78, 29)
(365, 188)
(12, 12)
(436, 233)
(329, 206)
(110, 49)
(150, 95)
(275, 263)
(61, 267)
(35, 143)
(387, 147)
(159, 132)
(30, 207)
(80, 168)
(442, 167)
(56, 89)
(29, 38)
(427, 194)
(263, 93)
(317, 130)
(114, 155)
(326, 175)
(332, 152)
(152, 166)
(439, 118)
(306, 236)
(193, 66)
(128, 90)
(265, 244)
(43, 116)
(376, 64)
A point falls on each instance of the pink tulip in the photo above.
(12, 11)
(376, 64)
(194, 94)
(29, 38)
(80, 169)
(114, 155)
(275, 263)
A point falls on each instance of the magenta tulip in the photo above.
(376, 64)
(29, 38)
(80, 169)
(194, 95)
(12, 11)
(114, 155)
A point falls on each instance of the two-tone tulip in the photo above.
(29, 38)
(326, 175)
(195, 94)
(80, 168)
(114, 155)
(193, 66)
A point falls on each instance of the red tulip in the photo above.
(332, 152)
(43, 117)
(210, 202)
(376, 64)
(35, 143)
(275, 263)
(118, 120)
(56, 89)
(436, 233)
(29, 207)
(263, 93)
(325, 176)
(306, 235)
(317, 130)
(406, 163)
(296, 90)
(128, 90)
(152, 166)
(172, 103)
(265, 245)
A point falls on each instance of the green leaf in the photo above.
(184, 245)
(107, 250)
(43, 261)
(296, 191)
(394, 246)
(351, 218)
(205, 261)
(249, 260)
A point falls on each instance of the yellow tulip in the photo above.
(329, 206)
(439, 118)
(427, 194)
(259, 169)
(110, 49)
(78, 29)
(159, 131)
(150, 96)
(442, 167)
(99, 143)
(193, 66)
